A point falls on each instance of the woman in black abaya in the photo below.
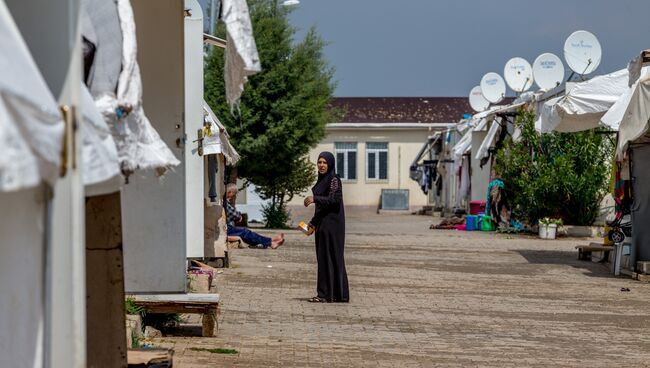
(329, 224)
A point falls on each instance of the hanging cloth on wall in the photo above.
(138, 144)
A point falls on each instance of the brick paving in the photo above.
(426, 298)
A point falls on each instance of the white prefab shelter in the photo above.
(156, 217)
(583, 105)
(167, 221)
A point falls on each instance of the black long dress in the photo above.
(329, 220)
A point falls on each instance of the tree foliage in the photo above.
(560, 175)
(284, 108)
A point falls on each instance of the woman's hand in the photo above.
(309, 200)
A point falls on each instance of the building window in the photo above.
(346, 160)
(377, 160)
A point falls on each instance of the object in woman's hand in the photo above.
(305, 228)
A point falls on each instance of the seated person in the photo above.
(247, 236)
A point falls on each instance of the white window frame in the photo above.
(376, 151)
(345, 170)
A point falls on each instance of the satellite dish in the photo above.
(477, 101)
(493, 87)
(290, 2)
(582, 52)
(518, 74)
(548, 71)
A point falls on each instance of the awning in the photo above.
(214, 41)
(31, 125)
(489, 139)
(220, 143)
(464, 145)
(242, 59)
(583, 106)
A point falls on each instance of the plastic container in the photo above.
(461, 227)
(476, 207)
(543, 231)
(487, 224)
(551, 231)
(471, 223)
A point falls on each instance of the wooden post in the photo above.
(106, 325)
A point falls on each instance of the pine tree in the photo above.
(283, 110)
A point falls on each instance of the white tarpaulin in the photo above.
(632, 111)
(138, 144)
(489, 139)
(242, 59)
(583, 106)
(31, 125)
(99, 154)
(218, 143)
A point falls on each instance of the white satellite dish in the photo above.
(582, 52)
(290, 2)
(493, 87)
(477, 101)
(518, 74)
(548, 71)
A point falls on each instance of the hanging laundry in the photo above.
(242, 59)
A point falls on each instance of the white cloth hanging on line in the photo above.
(242, 59)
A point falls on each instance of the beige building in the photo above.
(378, 139)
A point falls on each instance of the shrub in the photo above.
(276, 215)
(558, 175)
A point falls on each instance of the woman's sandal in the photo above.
(317, 299)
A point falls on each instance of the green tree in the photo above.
(562, 175)
(283, 110)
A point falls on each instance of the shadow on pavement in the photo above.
(568, 258)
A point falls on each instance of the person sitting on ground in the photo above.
(249, 237)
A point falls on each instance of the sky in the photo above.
(411, 48)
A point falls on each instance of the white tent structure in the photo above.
(632, 113)
(583, 105)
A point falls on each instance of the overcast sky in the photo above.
(443, 47)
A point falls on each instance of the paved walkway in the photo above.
(426, 298)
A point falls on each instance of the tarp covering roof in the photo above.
(31, 125)
(632, 111)
(583, 106)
